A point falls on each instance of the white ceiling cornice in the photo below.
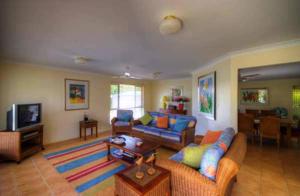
(253, 50)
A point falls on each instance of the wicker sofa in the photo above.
(186, 181)
(166, 137)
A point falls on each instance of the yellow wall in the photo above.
(162, 88)
(287, 53)
(227, 79)
(21, 83)
(280, 93)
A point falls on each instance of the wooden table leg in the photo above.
(84, 133)
(80, 132)
(108, 152)
(289, 135)
(96, 130)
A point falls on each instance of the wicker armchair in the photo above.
(186, 181)
(121, 127)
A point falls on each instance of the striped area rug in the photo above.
(86, 166)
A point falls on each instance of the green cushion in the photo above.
(192, 155)
(146, 119)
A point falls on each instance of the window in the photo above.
(296, 101)
(124, 96)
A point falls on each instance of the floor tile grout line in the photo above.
(15, 181)
(43, 178)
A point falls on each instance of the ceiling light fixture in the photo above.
(80, 60)
(170, 25)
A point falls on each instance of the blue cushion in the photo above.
(180, 124)
(121, 123)
(124, 115)
(225, 138)
(210, 160)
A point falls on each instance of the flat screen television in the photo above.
(24, 115)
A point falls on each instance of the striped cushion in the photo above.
(148, 129)
(139, 128)
(171, 136)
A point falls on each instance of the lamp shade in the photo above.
(170, 25)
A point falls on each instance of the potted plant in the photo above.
(181, 100)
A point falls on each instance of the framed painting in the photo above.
(76, 94)
(254, 96)
(176, 91)
(207, 95)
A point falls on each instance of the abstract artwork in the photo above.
(254, 96)
(176, 91)
(76, 94)
(207, 95)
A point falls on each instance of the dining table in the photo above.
(284, 122)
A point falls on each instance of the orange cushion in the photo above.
(162, 122)
(211, 137)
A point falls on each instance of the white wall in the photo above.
(20, 83)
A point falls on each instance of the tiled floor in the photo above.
(266, 171)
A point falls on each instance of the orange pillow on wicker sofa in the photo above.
(211, 137)
(162, 122)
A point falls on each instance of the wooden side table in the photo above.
(88, 124)
(155, 185)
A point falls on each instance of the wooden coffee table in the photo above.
(129, 146)
(157, 184)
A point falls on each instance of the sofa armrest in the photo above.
(114, 120)
(187, 181)
(136, 122)
(198, 139)
(188, 135)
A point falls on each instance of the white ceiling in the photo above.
(282, 71)
(120, 33)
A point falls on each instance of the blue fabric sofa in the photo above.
(166, 137)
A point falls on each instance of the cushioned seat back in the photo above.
(172, 119)
(192, 120)
(154, 116)
(121, 113)
(231, 162)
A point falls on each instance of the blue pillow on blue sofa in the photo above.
(180, 125)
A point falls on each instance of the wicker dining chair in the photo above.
(270, 128)
(246, 125)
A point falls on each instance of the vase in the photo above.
(180, 106)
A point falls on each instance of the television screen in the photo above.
(28, 114)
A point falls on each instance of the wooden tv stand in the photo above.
(16, 145)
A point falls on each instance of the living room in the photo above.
(145, 57)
